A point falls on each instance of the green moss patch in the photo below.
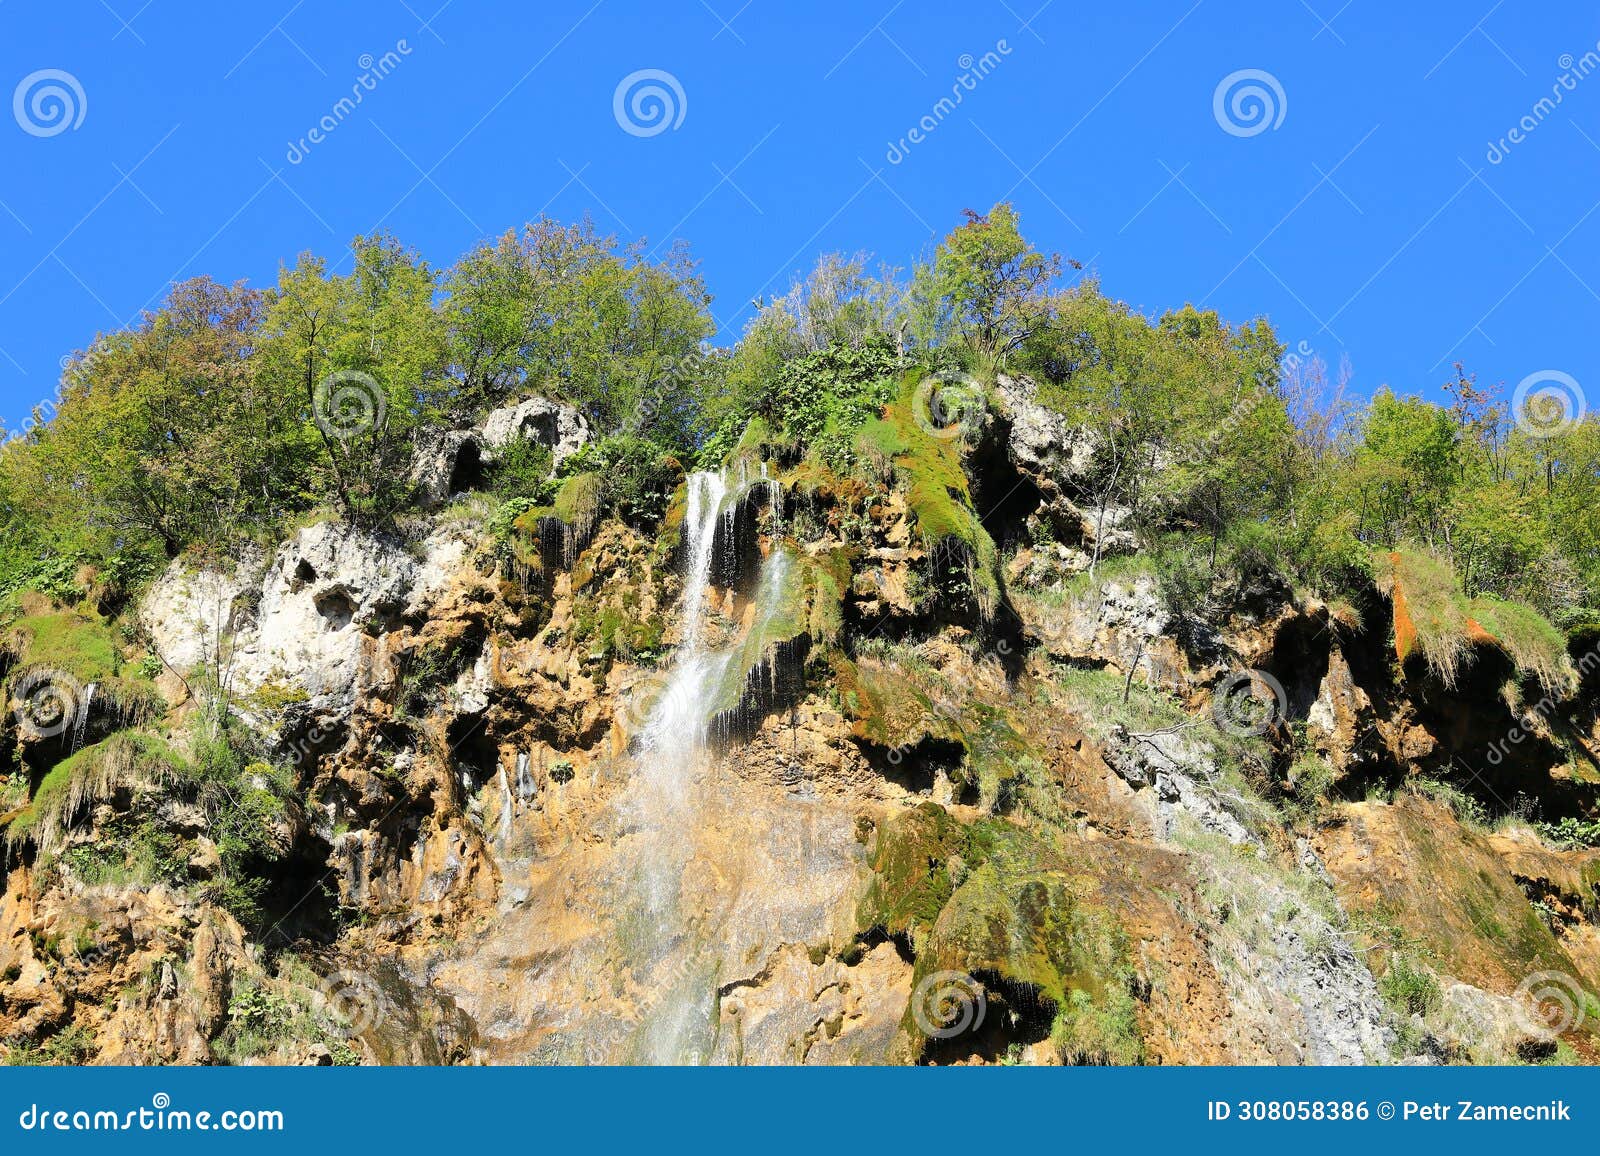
(66, 641)
(124, 761)
(86, 651)
(545, 538)
(1434, 617)
(1001, 902)
(936, 490)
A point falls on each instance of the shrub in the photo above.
(522, 471)
(1467, 810)
(1571, 834)
(637, 477)
(840, 385)
(1408, 987)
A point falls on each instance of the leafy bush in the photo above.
(522, 472)
(1467, 810)
(1571, 834)
(1408, 987)
(71, 1047)
(823, 398)
(637, 475)
(1311, 777)
(1407, 984)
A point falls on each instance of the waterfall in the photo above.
(674, 732)
(774, 502)
(81, 723)
(675, 946)
(505, 807)
(672, 739)
(526, 788)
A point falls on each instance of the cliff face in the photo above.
(821, 768)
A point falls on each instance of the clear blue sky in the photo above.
(1369, 220)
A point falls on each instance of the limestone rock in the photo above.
(559, 427)
(329, 592)
(444, 462)
(1041, 443)
(191, 613)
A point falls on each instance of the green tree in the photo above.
(986, 286)
(166, 433)
(364, 355)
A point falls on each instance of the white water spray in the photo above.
(675, 730)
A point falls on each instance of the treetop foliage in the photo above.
(231, 411)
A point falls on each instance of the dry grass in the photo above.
(1433, 615)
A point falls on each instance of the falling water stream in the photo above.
(670, 761)
(674, 732)
(81, 723)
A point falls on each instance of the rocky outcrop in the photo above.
(314, 622)
(1182, 775)
(192, 613)
(560, 428)
(445, 462)
(448, 462)
(1059, 457)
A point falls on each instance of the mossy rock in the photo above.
(799, 602)
(911, 880)
(85, 650)
(125, 760)
(82, 647)
(888, 706)
(1434, 618)
(1001, 903)
(937, 491)
(549, 537)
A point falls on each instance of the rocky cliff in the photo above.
(923, 761)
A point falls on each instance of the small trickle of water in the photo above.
(81, 723)
(505, 807)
